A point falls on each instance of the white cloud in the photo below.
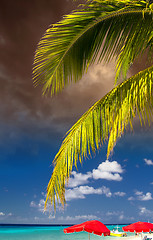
(73, 194)
(141, 196)
(33, 204)
(106, 175)
(108, 166)
(80, 192)
(138, 193)
(131, 198)
(113, 213)
(146, 212)
(148, 161)
(78, 217)
(109, 171)
(145, 197)
(51, 216)
(106, 191)
(6, 215)
(2, 214)
(106, 170)
(10, 214)
(39, 206)
(120, 194)
(118, 214)
(79, 179)
(121, 217)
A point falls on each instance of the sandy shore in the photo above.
(137, 237)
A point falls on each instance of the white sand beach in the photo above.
(139, 237)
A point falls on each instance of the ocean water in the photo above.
(17, 232)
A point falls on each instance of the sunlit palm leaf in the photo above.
(107, 119)
(138, 40)
(99, 30)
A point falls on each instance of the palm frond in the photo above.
(100, 30)
(138, 40)
(106, 120)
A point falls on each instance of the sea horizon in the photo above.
(41, 224)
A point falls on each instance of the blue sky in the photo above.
(32, 127)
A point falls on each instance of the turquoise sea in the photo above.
(33, 232)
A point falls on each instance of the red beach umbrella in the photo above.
(138, 227)
(92, 226)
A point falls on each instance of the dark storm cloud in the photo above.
(22, 24)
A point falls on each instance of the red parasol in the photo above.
(138, 227)
(92, 226)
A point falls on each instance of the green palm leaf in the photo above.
(100, 30)
(107, 119)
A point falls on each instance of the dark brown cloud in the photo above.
(22, 23)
